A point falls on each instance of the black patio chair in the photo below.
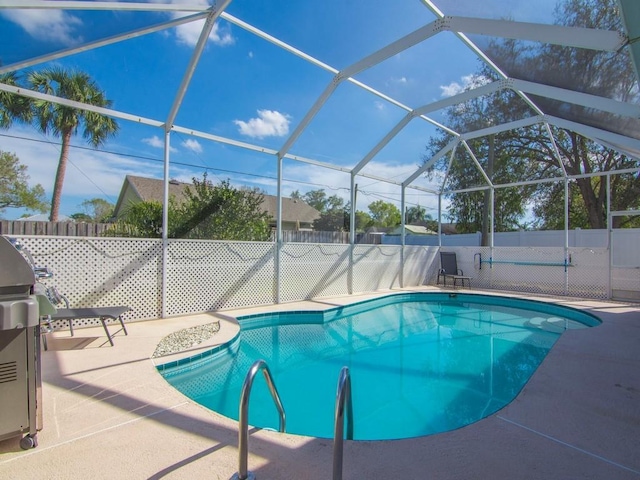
(449, 269)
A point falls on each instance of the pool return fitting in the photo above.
(343, 399)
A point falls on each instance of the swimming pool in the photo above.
(420, 363)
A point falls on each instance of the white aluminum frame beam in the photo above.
(213, 15)
(101, 43)
(630, 14)
(589, 38)
(85, 5)
(595, 134)
(555, 148)
(451, 146)
(80, 106)
(577, 98)
(446, 175)
(480, 54)
(453, 23)
(546, 180)
(369, 61)
(382, 143)
(477, 163)
(503, 127)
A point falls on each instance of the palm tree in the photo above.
(12, 106)
(64, 121)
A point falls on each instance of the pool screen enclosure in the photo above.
(338, 54)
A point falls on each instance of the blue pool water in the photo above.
(420, 363)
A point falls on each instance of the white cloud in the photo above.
(401, 81)
(379, 105)
(469, 82)
(192, 145)
(269, 123)
(54, 26)
(157, 142)
(189, 33)
(154, 142)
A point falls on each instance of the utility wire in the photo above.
(190, 165)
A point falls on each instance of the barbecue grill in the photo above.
(20, 367)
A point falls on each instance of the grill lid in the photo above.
(16, 275)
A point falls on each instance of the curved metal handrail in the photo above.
(243, 432)
(343, 397)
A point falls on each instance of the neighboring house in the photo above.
(296, 214)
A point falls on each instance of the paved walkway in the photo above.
(108, 414)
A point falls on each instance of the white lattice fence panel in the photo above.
(528, 269)
(209, 275)
(376, 267)
(420, 265)
(311, 270)
(589, 273)
(98, 272)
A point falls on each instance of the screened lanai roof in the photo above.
(351, 90)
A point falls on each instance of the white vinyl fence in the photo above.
(211, 275)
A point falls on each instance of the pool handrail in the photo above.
(343, 397)
(243, 427)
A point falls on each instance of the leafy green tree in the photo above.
(81, 217)
(527, 153)
(385, 214)
(64, 121)
(418, 215)
(335, 220)
(363, 221)
(221, 212)
(95, 210)
(14, 188)
(140, 219)
(13, 107)
(317, 199)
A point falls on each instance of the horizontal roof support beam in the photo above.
(576, 98)
(589, 38)
(80, 106)
(224, 140)
(525, 122)
(393, 48)
(84, 5)
(101, 43)
(596, 134)
(462, 97)
(279, 43)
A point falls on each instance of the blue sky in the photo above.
(250, 90)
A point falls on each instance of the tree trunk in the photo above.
(594, 208)
(62, 167)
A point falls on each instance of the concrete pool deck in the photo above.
(108, 414)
